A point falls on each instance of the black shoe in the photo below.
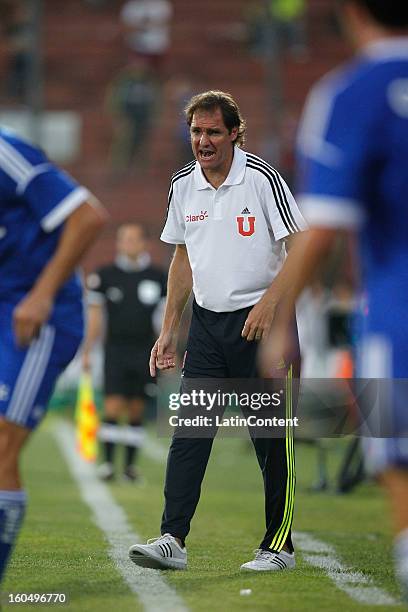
(131, 474)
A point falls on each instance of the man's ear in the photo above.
(234, 134)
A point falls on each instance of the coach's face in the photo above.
(211, 141)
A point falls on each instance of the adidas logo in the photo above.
(246, 211)
(166, 550)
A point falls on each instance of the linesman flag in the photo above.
(87, 420)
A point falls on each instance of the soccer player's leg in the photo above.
(188, 456)
(186, 465)
(12, 497)
(276, 459)
(138, 379)
(386, 450)
(189, 451)
(134, 438)
(395, 480)
(387, 458)
(115, 407)
(27, 378)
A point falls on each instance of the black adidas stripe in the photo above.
(183, 169)
(278, 200)
(163, 550)
(178, 175)
(278, 191)
(279, 562)
(183, 172)
(274, 173)
(166, 549)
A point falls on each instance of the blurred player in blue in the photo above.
(353, 148)
(47, 221)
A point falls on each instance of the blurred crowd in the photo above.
(287, 20)
(142, 86)
(16, 22)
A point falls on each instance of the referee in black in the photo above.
(230, 215)
(124, 297)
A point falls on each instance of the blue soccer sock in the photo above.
(12, 508)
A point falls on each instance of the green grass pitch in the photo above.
(61, 549)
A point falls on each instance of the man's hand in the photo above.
(163, 354)
(259, 320)
(28, 317)
(275, 353)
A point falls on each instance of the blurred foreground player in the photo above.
(127, 293)
(230, 216)
(353, 146)
(47, 222)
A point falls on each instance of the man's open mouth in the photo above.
(206, 154)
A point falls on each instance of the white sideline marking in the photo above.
(151, 588)
(357, 586)
(154, 450)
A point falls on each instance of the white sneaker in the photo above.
(268, 561)
(159, 553)
(105, 471)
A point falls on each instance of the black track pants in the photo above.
(216, 349)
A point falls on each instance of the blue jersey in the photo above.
(35, 199)
(353, 148)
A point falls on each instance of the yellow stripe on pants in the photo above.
(281, 535)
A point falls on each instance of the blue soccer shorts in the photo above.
(28, 375)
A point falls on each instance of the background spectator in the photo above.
(288, 16)
(146, 28)
(179, 90)
(17, 30)
(287, 20)
(132, 100)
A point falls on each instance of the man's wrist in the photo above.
(43, 291)
(167, 332)
(171, 324)
(271, 297)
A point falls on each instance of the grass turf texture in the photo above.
(60, 549)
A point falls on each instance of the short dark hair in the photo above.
(211, 100)
(133, 224)
(391, 14)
